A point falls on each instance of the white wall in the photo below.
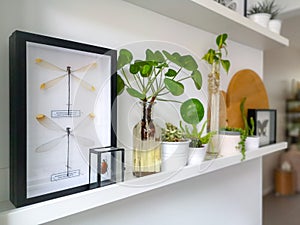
(281, 66)
(111, 24)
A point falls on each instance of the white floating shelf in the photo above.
(65, 206)
(215, 18)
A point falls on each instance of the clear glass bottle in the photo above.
(146, 143)
(214, 107)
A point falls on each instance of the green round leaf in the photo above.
(221, 40)
(192, 111)
(225, 65)
(176, 88)
(125, 57)
(155, 57)
(159, 57)
(120, 85)
(136, 94)
(197, 78)
(174, 58)
(150, 55)
(171, 73)
(134, 68)
(188, 62)
(146, 70)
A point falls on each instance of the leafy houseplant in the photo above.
(174, 148)
(171, 133)
(215, 58)
(251, 141)
(192, 112)
(263, 11)
(266, 6)
(233, 139)
(149, 80)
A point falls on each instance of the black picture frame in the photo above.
(25, 129)
(264, 125)
(240, 6)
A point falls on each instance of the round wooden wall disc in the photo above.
(245, 83)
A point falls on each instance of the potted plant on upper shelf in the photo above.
(149, 80)
(174, 148)
(262, 12)
(274, 23)
(192, 112)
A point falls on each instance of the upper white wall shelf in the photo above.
(213, 17)
(65, 206)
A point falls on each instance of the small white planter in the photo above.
(229, 144)
(252, 143)
(174, 155)
(261, 19)
(275, 26)
(196, 155)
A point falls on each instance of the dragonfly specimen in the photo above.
(68, 132)
(69, 73)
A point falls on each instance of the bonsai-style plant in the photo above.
(192, 112)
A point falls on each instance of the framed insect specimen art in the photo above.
(62, 103)
(240, 6)
(106, 166)
(265, 125)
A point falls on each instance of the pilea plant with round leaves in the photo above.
(192, 112)
(155, 76)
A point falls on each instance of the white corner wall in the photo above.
(281, 66)
(111, 24)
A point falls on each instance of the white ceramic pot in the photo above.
(261, 19)
(275, 26)
(174, 155)
(196, 155)
(229, 144)
(252, 143)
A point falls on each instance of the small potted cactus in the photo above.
(174, 148)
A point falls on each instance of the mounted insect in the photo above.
(104, 167)
(51, 125)
(69, 74)
(262, 127)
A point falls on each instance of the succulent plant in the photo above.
(172, 133)
(266, 6)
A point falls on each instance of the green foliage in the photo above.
(171, 133)
(248, 129)
(242, 143)
(266, 6)
(196, 137)
(157, 75)
(192, 112)
(216, 55)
